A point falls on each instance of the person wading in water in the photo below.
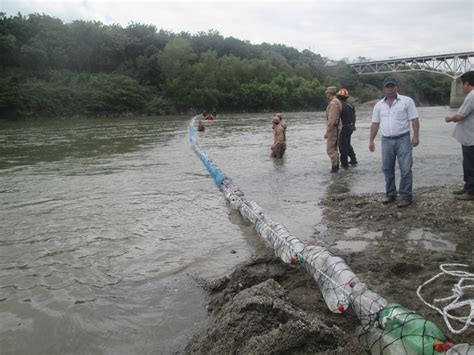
(333, 114)
(348, 118)
(279, 141)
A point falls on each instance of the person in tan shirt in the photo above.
(282, 121)
(333, 129)
(279, 141)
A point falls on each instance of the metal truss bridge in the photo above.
(452, 64)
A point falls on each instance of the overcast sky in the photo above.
(335, 29)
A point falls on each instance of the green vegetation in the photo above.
(51, 68)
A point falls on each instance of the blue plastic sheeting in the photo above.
(216, 174)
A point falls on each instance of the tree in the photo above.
(8, 49)
(117, 94)
(52, 68)
(175, 56)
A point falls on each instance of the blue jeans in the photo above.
(468, 168)
(398, 149)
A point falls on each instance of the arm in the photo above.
(353, 118)
(454, 118)
(415, 123)
(465, 110)
(374, 128)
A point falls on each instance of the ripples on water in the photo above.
(101, 221)
(106, 222)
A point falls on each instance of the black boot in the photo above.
(353, 160)
(335, 168)
(344, 164)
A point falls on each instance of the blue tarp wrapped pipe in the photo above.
(213, 170)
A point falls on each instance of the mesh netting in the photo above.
(386, 329)
(397, 330)
(333, 276)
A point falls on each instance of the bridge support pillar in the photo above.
(457, 96)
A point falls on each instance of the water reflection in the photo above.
(32, 142)
(249, 233)
(339, 184)
(428, 240)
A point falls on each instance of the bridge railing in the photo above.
(451, 64)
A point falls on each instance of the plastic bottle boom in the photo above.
(401, 331)
(417, 334)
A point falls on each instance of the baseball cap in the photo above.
(389, 80)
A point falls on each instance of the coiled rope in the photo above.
(465, 282)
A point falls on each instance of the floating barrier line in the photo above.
(213, 170)
(338, 284)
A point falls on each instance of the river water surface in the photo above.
(106, 223)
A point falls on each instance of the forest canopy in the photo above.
(52, 68)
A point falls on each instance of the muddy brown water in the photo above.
(106, 223)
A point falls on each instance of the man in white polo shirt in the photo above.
(393, 115)
(464, 133)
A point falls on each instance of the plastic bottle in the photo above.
(315, 258)
(251, 210)
(366, 303)
(417, 334)
(263, 229)
(374, 340)
(285, 246)
(341, 273)
(288, 249)
(321, 264)
(341, 279)
(461, 349)
(232, 194)
(235, 202)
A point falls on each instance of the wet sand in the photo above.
(266, 306)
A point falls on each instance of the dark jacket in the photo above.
(348, 116)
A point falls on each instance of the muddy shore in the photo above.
(266, 306)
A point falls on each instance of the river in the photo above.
(107, 223)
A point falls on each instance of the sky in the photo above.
(336, 29)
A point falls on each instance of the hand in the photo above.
(447, 119)
(415, 141)
(372, 146)
(354, 128)
(326, 135)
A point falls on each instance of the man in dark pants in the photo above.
(393, 115)
(348, 118)
(464, 133)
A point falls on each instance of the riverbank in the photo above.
(266, 306)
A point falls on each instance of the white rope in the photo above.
(458, 292)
